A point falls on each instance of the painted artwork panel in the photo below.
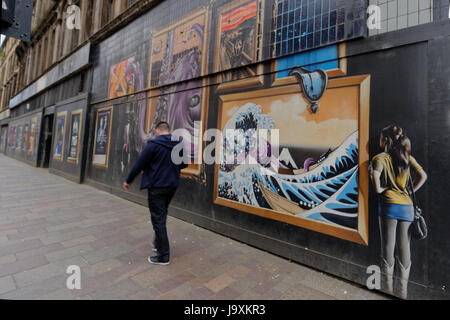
(127, 77)
(60, 132)
(300, 25)
(122, 78)
(237, 34)
(178, 53)
(19, 137)
(32, 139)
(317, 179)
(239, 38)
(75, 135)
(25, 137)
(102, 136)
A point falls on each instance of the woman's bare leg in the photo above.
(404, 256)
(388, 229)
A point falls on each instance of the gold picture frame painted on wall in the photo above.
(60, 130)
(76, 119)
(32, 139)
(179, 94)
(336, 72)
(298, 195)
(238, 45)
(102, 138)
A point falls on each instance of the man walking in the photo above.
(161, 177)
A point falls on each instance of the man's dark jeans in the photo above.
(158, 203)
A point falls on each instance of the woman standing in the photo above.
(391, 170)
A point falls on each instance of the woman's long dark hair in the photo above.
(390, 135)
(400, 152)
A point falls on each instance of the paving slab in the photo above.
(48, 223)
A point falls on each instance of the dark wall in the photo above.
(64, 90)
(438, 151)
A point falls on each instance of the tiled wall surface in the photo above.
(399, 14)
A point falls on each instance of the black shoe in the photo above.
(164, 261)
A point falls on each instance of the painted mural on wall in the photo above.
(32, 140)
(75, 130)
(179, 53)
(102, 136)
(23, 138)
(60, 130)
(322, 183)
(238, 40)
(19, 140)
(127, 77)
(396, 175)
(318, 185)
(11, 136)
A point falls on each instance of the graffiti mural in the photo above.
(25, 137)
(126, 77)
(12, 131)
(32, 139)
(19, 140)
(238, 43)
(396, 175)
(318, 185)
(102, 136)
(178, 53)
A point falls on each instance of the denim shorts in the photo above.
(403, 212)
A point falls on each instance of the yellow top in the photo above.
(395, 183)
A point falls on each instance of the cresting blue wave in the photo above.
(328, 193)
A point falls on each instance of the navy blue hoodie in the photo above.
(156, 163)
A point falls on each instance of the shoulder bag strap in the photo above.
(413, 194)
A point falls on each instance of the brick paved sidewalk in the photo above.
(48, 223)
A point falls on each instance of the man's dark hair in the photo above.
(163, 126)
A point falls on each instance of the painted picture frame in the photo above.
(292, 195)
(179, 52)
(76, 119)
(316, 60)
(102, 138)
(238, 45)
(60, 130)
